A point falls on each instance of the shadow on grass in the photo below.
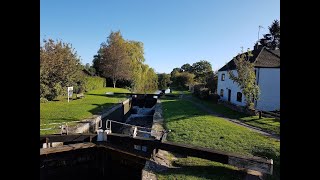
(271, 128)
(259, 122)
(101, 108)
(207, 172)
(256, 119)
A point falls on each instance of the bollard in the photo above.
(64, 129)
(105, 134)
(260, 114)
(134, 134)
(100, 135)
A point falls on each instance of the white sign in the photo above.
(70, 92)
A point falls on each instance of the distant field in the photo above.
(61, 111)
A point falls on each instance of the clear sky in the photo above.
(174, 32)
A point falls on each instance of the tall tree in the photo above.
(96, 63)
(175, 70)
(123, 61)
(272, 39)
(114, 58)
(212, 81)
(136, 54)
(59, 67)
(163, 80)
(201, 70)
(183, 80)
(245, 78)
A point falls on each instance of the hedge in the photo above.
(95, 82)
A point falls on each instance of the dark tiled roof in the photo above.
(261, 58)
(86, 72)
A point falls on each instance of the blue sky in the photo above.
(174, 32)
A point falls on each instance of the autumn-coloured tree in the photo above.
(114, 60)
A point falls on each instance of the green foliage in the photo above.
(197, 88)
(123, 60)
(272, 40)
(163, 81)
(182, 80)
(211, 81)
(204, 93)
(59, 67)
(114, 59)
(175, 71)
(94, 82)
(245, 78)
(186, 68)
(201, 70)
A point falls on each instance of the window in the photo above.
(222, 77)
(221, 92)
(239, 96)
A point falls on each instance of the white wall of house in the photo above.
(229, 84)
(269, 83)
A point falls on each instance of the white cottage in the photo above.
(267, 69)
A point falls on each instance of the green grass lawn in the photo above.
(180, 92)
(61, 111)
(190, 125)
(268, 124)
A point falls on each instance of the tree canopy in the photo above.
(198, 73)
(59, 67)
(120, 59)
(186, 68)
(163, 81)
(201, 69)
(272, 39)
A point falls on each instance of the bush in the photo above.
(91, 83)
(197, 88)
(214, 97)
(54, 90)
(43, 100)
(204, 93)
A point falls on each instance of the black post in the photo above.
(260, 114)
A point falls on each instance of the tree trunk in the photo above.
(114, 84)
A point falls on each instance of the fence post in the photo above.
(260, 114)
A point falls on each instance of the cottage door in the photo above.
(229, 95)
